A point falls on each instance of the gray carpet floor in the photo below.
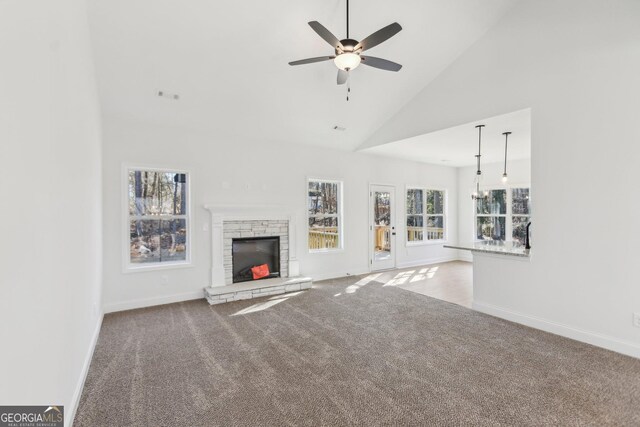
(347, 354)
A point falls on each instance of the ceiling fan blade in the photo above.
(311, 60)
(343, 76)
(379, 36)
(383, 64)
(326, 34)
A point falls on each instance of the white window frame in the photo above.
(127, 265)
(508, 215)
(445, 214)
(339, 215)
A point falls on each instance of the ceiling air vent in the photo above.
(163, 94)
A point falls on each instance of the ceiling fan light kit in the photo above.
(348, 52)
(347, 61)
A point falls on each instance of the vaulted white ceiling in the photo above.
(457, 146)
(228, 61)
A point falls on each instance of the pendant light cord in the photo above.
(477, 196)
(479, 172)
(505, 153)
(506, 138)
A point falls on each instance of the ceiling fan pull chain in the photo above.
(348, 88)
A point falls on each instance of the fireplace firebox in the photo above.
(249, 252)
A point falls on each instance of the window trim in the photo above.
(339, 215)
(127, 265)
(445, 216)
(508, 215)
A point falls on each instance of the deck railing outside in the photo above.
(328, 238)
(383, 238)
(324, 238)
(416, 234)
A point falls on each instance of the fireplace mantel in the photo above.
(226, 213)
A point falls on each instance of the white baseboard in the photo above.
(328, 276)
(337, 275)
(75, 400)
(593, 338)
(149, 302)
(465, 256)
(431, 261)
(168, 299)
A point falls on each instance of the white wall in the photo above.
(50, 148)
(575, 63)
(519, 172)
(227, 171)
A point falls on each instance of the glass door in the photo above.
(382, 227)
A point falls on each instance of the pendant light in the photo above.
(504, 175)
(476, 195)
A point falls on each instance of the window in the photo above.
(325, 215)
(504, 213)
(520, 214)
(491, 216)
(158, 218)
(415, 215)
(425, 215)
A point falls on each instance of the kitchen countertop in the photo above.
(500, 248)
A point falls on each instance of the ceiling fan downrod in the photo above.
(347, 18)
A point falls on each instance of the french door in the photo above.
(382, 227)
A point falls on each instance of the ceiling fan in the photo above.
(348, 52)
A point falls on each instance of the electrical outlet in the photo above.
(636, 320)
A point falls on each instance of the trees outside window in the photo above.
(491, 216)
(325, 215)
(505, 212)
(415, 215)
(425, 215)
(520, 213)
(158, 217)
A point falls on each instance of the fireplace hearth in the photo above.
(249, 252)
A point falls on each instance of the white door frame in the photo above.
(391, 264)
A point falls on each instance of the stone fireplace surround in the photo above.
(228, 222)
